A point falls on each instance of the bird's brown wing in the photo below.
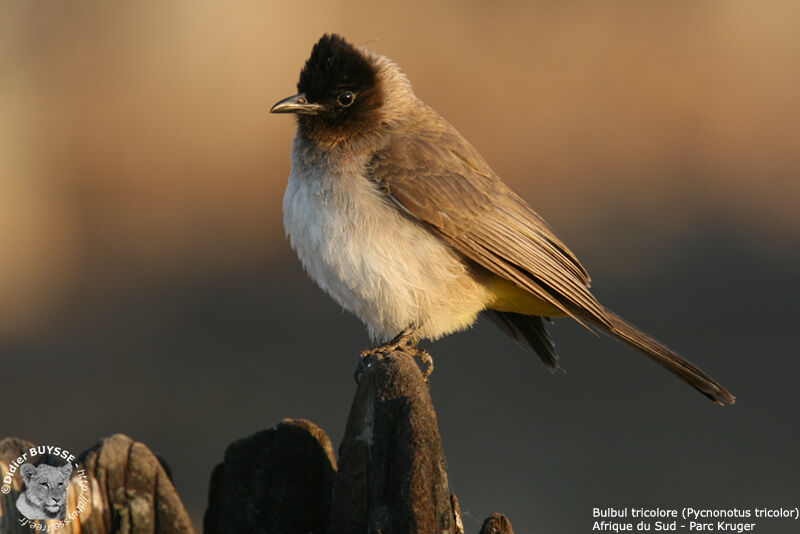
(437, 177)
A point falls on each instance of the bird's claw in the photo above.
(425, 362)
(406, 341)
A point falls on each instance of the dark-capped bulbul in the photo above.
(396, 216)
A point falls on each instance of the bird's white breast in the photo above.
(372, 259)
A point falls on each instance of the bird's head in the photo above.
(339, 91)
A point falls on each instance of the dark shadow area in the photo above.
(191, 365)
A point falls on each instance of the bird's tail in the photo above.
(530, 332)
(665, 357)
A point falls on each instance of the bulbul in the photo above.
(396, 216)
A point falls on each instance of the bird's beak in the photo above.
(296, 104)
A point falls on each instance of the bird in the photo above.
(396, 216)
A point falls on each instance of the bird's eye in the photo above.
(346, 98)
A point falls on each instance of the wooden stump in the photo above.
(278, 480)
(496, 524)
(391, 476)
(392, 473)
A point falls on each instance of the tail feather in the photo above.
(667, 358)
(529, 331)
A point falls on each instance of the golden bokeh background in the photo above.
(135, 142)
(137, 156)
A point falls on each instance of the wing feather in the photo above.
(439, 178)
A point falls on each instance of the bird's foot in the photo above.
(406, 341)
(425, 362)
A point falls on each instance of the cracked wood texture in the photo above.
(128, 489)
(496, 524)
(277, 480)
(391, 476)
(392, 473)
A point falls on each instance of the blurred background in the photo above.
(146, 286)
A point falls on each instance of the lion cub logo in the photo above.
(45, 495)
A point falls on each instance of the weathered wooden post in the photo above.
(277, 480)
(392, 472)
(391, 475)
